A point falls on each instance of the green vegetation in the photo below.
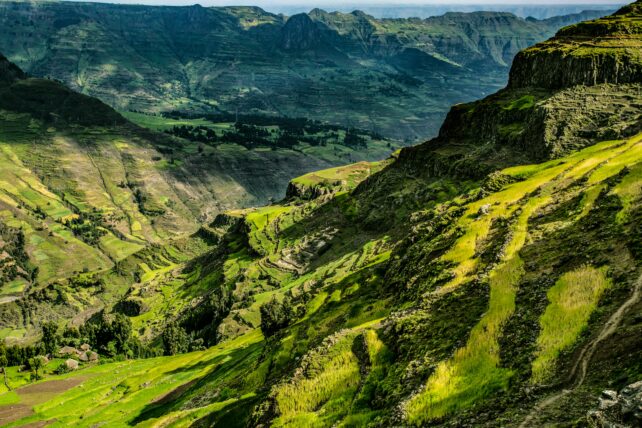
(396, 77)
(443, 286)
(572, 300)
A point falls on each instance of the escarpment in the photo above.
(605, 50)
(581, 86)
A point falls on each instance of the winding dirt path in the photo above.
(577, 375)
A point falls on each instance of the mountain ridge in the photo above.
(352, 70)
(487, 277)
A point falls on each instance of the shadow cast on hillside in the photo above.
(225, 368)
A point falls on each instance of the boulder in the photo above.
(93, 356)
(71, 364)
(85, 347)
(618, 410)
(484, 210)
(68, 350)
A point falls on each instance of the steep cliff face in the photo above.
(9, 72)
(581, 86)
(606, 50)
(300, 33)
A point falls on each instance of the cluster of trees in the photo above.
(177, 341)
(199, 134)
(30, 357)
(18, 262)
(110, 335)
(252, 136)
(86, 227)
(251, 131)
(142, 201)
(354, 139)
(276, 315)
(19, 355)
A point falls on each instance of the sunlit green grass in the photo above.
(474, 371)
(572, 300)
(118, 392)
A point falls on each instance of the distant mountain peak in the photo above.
(300, 33)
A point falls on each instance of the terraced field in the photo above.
(490, 277)
(329, 393)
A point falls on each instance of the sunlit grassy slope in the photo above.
(339, 358)
(98, 200)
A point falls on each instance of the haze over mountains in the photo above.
(394, 77)
(426, 10)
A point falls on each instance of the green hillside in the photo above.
(489, 277)
(396, 77)
(84, 192)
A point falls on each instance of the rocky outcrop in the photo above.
(580, 87)
(618, 410)
(300, 33)
(298, 190)
(9, 72)
(564, 69)
(605, 50)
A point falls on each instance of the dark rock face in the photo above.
(618, 410)
(606, 50)
(300, 33)
(563, 69)
(9, 72)
(300, 191)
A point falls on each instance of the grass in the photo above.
(160, 123)
(628, 190)
(523, 103)
(346, 177)
(572, 300)
(331, 386)
(473, 372)
(118, 392)
(333, 378)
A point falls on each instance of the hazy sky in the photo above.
(402, 8)
(367, 2)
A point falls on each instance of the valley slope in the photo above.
(83, 190)
(461, 282)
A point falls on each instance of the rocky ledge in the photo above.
(618, 410)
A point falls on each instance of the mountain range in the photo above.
(396, 77)
(491, 276)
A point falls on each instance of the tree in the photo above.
(112, 336)
(276, 315)
(121, 328)
(175, 339)
(4, 361)
(50, 337)
(36, 363)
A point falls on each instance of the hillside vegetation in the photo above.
(396, 77)
(489, 277)
(84, 192)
